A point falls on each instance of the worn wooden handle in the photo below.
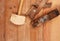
(20, 7)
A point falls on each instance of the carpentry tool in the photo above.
(18, 19)
(52, 14)
(36, 8)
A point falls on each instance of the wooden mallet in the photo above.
(18, 19)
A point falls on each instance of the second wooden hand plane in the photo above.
(52, 14)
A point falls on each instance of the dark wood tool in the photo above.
(36, 8)
(52, 14)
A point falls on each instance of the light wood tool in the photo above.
(18, 19)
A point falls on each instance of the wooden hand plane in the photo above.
(52, 14)
(36, 8)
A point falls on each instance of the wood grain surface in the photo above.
(2, 24)
(48, 31)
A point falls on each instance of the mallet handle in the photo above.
(20, 7)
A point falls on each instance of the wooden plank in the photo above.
(36, 34)
(2, 20)
(11, 7)
(47, 31)
(52, 30)
(32, 30)
(24, 30)
(55, 29)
